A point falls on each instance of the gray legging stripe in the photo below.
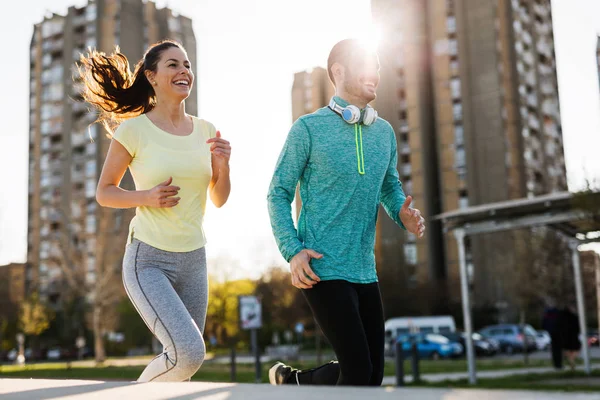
(137, 277)
(170, 292)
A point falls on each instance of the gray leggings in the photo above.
(170, 292)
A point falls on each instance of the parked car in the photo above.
(12, 355)
(29, 354)
(430, 345)
(510, 337)
(53, 353)
(494, 344)
(482, 345)
(542, 340)
(593, 338)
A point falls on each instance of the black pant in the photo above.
(556, 348)
(351, 317)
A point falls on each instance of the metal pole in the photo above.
(254, 334)
(580, 305)
(459, 234)
(399, 363)
(597, 262)
(233, 378)
(414, 362)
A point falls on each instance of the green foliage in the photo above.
(34, 316)
(222, 319)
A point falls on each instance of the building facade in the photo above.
(470, 88)
(69, 236)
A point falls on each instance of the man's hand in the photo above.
(303, 276)
(412, 219)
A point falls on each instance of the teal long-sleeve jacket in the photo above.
(345, 171)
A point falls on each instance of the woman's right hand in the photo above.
(161, 195)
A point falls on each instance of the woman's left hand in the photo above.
(221, 150)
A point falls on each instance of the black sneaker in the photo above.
(279, 374)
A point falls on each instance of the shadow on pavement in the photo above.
(58, 392)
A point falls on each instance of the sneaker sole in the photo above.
(273, 374)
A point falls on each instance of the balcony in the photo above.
(77, 177)
(79, 106)
(78, 139)
(404, 127)
(79, 20)
(405, 170)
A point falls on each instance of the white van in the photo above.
(395, 327)
(433, 324)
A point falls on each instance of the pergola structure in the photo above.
(574, 215)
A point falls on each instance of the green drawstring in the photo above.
(360, 155)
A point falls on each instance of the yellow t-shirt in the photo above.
(158, 155)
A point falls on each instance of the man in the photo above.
(345, 160)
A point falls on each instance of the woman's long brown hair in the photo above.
(111, 87)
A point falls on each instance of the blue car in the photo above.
(430, 345)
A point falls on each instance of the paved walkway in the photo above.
(39, 389)
(455, 376)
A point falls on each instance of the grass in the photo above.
(214, 372)
(525, 382)
(208, 372)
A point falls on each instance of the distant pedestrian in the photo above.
(569, 327)
(550, 323)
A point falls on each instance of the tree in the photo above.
(99, 285)
(222, 319)
(283, 305)
(34, 316)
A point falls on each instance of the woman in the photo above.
(174, 158)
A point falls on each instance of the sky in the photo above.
(248, 52)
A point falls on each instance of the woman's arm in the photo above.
(220, 185)
(109, 194)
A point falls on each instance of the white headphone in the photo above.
(351, 114)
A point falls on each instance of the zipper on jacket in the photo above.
(360, 155)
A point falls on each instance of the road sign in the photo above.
(250, 312)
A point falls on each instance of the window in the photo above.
(453, 47)
(402, 331)
(90, 225)
(459, 157)
(454, 67)
(52, 27)
(90, 188)
(90, 168)
(459, 135)
(455, 88)
(90, 42)
(410, 253)
(538, 177)
(407, 185)
(174, 24)
(90, 12)
(457, 111)
(451, 24)
(90, 277)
